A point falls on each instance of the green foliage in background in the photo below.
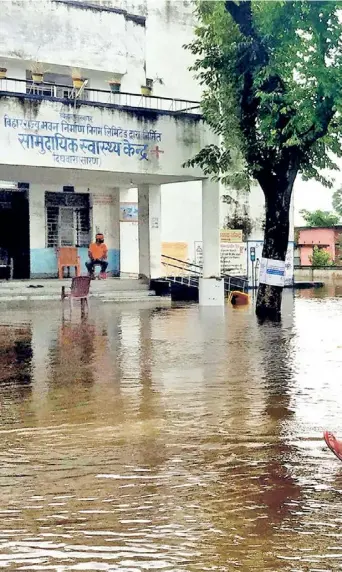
(320, 218)
(320, 257)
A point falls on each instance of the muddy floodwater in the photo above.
(174, 439)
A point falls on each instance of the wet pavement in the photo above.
(174, 439)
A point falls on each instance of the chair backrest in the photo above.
(67, 255)
(80, 286)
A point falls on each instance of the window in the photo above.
(82, 226)
(67, 219)
(52, 224)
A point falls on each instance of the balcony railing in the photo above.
(97, 97)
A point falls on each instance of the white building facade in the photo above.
(103, 158)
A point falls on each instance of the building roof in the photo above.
(92, 5)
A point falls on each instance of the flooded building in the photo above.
(98, 113)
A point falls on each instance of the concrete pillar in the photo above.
(37, 216)
(211, 292)
(149, 228)
(38, 251)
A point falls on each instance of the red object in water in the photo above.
(334, 445)
(238, 298)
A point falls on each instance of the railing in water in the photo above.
(188, 273)
(46, 90)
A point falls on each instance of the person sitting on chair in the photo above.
(97, 253)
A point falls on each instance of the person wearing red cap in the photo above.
(97, 253)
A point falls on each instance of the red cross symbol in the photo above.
(156, 151)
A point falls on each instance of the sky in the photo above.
(311, 196)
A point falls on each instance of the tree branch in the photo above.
(233, 9)
(324, 116)
(242, 16)
(251, 55)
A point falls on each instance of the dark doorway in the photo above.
(14, 230)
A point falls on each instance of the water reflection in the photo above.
(177, 439)
(15, 355)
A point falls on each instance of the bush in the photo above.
(320, 257)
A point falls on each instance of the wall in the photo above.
(82, 36)
(129, 244)
(169, 26)
(305, 254)
(181, 208)
(105, 218)
(328, 274)
(79, 37)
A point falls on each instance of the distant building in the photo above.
(328, 239)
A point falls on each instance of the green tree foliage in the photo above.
(320, 257)
(337, 201)
(239, 219)
(320, 218)
(271, 73)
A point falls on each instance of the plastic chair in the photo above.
(67, 256)
(79, 291)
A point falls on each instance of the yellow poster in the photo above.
(173, 253)
(230, 235)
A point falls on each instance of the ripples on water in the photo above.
(177, 439)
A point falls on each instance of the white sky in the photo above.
(311, 196)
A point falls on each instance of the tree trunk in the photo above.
(277, 209)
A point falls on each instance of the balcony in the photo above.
(27, 89)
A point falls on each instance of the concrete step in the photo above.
(159, 300)
(102, 296)
(50, 287)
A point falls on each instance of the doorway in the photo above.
(14, 230)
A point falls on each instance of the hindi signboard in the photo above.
(230, 235)
(233, 257)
